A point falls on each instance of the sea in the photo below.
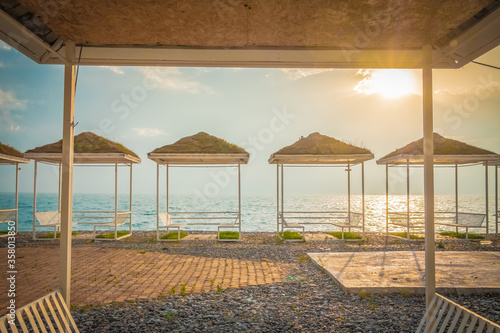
(258, 211)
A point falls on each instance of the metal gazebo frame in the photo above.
(89, 159)
(443, 160)
(318, 160)
(202, 160)
(13, 160)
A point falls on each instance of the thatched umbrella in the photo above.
(447, 152)
(202, 150)
(11, 156)
(318, 149)
(90, 149)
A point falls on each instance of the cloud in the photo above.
(4, 46)
(171, 78)
(8, 104)
(390, 83)
(150, 132)
(115, 69)
(484, 87)
(299, 73)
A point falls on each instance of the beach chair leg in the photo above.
(466, 233)
(179, 233)
(55, 232)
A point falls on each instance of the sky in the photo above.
(262, 110)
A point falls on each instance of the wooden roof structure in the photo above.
(253, 33)
(201, 148)
(320, 149)
(446, 152)
(10, 155)
(90, 148)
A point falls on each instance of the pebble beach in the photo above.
(306, 300)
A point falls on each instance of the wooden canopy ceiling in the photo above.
(253, 33)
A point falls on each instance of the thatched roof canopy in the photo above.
(446, 151)
(257, 33)
(90, 148)
(320, 149)
(10, 155)
(200, 148)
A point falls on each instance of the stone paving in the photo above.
(392, 271)
(105, 275)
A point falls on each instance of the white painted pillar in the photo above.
(430, 260)
(349, 192)
(116, 200)
(456, 195)
(34, 198)
(487, 196)
(59, 189)
(277, 197)
(166, 185)
(387, 199)
(158, 201)
(67, 174)
(239, 200)
(282, 196)
(16, 203)
(130, 200)
(408, 199)
(496, 199)
(363, 192)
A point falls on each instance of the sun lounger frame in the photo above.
(444, 315)
(47, 314)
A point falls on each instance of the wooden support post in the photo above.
(67, 174)
(430, 260)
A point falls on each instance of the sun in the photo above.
(389, 83)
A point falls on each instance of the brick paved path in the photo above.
(103, 275)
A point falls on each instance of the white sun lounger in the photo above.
(355, 221)
(166, 223)
(120, 219)
(6, 216)
(48, 220)
(466, 220)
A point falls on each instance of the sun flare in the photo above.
(389, 83)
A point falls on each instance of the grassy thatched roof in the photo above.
(86, 142)
(8, 150)
(442, 146)
(319, 144)
(201, 143)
